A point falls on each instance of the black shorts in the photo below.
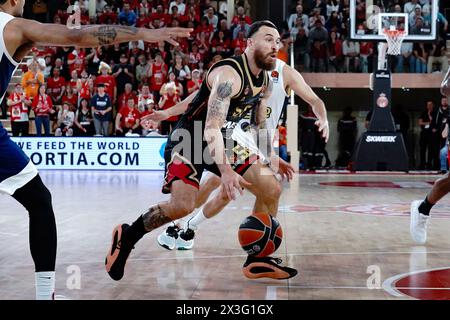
(187, 159)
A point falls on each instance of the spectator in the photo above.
(172, 80)
(99, 6)
(240, 42)
(127, 119)
(350, 50)
(437, 127)
(443, 153)
(212, 18)
(85, 87)
(66, 118)
(123, 73)
(181, 7)
(205, 29)
(438, 54)
(144, 98)
(410, 6)
(142, 69)
(48, 66)
(43, 107)
(69, 96)
(127, 17)
(73, 82)
(282, 141)
(40, 11)
(18, 105)
(108, 80)
(76, 60)
(32, 79)
(181, 70)
(420, 57)
(240, 13)
(298, 19)
(335, 56)
(126, 95)
(149, 127)
(158, 74)
(195, 83)
(316, 16)
(298, 25)
(56, 86)
(143, 20)
(101, 108)
(365, 54)
(191, 16)
(242, 26)
(108, 16)
(425, 143)
(302, 50)
(347, 129)
(318, 57)
(84, 121)
(168, 100)
(406, 54)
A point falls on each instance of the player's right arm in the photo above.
(295, 81)
(225, 83)
(24, 34)
(179, 108)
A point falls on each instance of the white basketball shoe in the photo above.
(418, 223)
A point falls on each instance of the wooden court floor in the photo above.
(347, 234)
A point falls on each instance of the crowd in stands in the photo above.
(322, 43)
(106, 90)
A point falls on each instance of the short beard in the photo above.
(260, 61)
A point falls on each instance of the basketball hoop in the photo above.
(394, 39)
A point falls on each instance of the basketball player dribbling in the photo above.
(284, 78)
(18, 176)
(420, 210)
(232, 88)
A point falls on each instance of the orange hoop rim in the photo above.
(394, 32)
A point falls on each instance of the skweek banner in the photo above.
(94, 153)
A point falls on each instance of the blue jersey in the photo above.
(16, 168)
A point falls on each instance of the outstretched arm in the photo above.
(23, 32)
(294, 80)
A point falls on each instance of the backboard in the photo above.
(416, 17)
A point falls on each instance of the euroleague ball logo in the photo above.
(275, 75)
(382, 101)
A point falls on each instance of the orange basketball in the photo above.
(260, 234)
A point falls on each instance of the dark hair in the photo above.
(2, 1)
(258, 24)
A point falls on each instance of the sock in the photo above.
(425, 207)
(135, 232)
(45, 285)
(194, 222)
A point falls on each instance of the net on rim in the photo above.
(394, 39)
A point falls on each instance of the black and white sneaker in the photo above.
(169, 237)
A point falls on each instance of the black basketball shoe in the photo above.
(267, 267)
(117, 256)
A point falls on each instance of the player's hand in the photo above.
(232, 181)
(324, 128)
(157, 115)
(167, 34)
(282, 167)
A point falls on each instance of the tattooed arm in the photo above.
(225, 83)
(23, 33)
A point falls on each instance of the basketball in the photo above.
(260, 234)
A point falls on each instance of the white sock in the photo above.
(194, 222)
(45, 285)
